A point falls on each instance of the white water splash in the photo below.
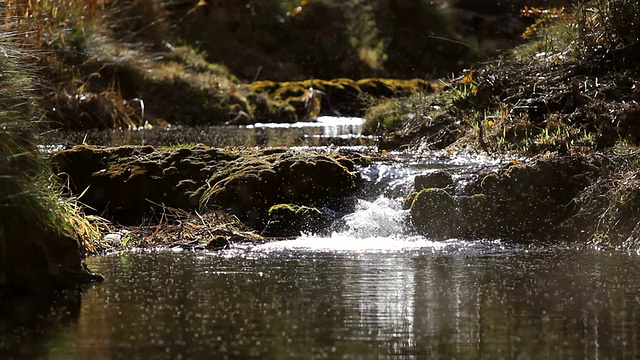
(382, 225)
(383, 217)
(377, 226)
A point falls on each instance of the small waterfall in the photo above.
(382, 217)
(380, 222)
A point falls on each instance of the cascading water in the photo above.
(381, 221)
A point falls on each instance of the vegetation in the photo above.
(34, 218)
(574, 91)
(28, 191)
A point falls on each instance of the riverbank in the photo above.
(571, 95)
(43, 236)
(568, 105)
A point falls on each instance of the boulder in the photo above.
(250, 185)
(519, 202)
(290, 220)
(126, 183)
(433, 213)
(34, 258)
(438, 179)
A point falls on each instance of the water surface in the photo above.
(327, 130)
(405, 298)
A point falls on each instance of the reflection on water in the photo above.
(424, 300)
(327, 130)
(31, 325)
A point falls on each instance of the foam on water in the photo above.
(341, 242)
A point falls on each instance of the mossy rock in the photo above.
(126, 183)
(433, 213)
(341, 96)
(250, 185)
(290, 220)
(524, 202)
(437, 179)
(123, 183)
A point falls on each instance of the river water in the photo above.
(392, 299)
(327, 130)
(370, 290)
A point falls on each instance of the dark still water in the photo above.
(374, 299)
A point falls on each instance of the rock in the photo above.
(528, 202)
(339, 96)
(433, 213)
(437, 179)
(290, 220)
(250, 185)
(32, 258)
(518, 202)
(126, 183)
(217, 243)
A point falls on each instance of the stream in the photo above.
(369, 290)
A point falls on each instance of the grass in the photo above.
(118, 64)
(30, 197)
(573, 89)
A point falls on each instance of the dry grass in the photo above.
(173, 227)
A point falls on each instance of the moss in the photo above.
(289, 220)
(299, 210)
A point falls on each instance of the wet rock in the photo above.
(433, 213)
(224, 236)
(527, 202)
(519, 202)
(32, 258)
(249, 186)
(127, 183)
(438, 179)
(290, 220)
(217, 243)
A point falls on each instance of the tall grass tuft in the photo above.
(29, 192)
(48, 20)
